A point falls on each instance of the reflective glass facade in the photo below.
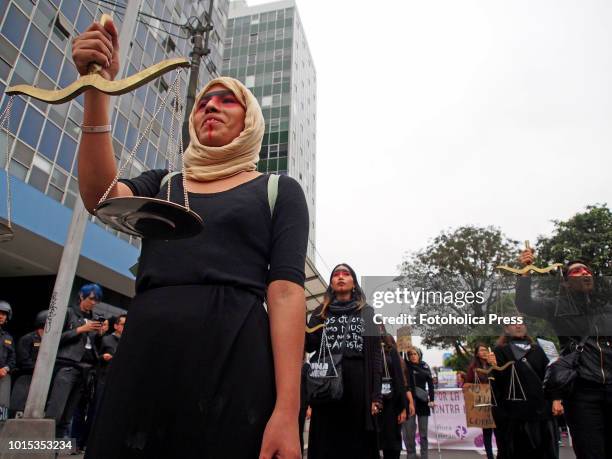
(265, 47)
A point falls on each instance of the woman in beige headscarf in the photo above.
(202, 370)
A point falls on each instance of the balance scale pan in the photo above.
(6, 233)
(149, 218)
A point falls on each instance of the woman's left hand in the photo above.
(376, 409)
(402, 417)
(557, 408)
(281, 438)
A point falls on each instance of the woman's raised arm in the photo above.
(96, 160)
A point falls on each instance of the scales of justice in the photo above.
(143, 217)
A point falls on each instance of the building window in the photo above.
(49, 140)
(277, 77)
(250, 81)
(278, 54)
(15, 26)
(255, 19)
(169, 44)
(266, 101)
(251, 59)
(280, 34)
(253, 39)
(274, 124)
(227, 43)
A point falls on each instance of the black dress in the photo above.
(346, 429)
(193, 376)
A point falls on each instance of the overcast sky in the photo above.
(436, 114)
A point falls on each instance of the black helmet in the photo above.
(5, 307)
(41, 319)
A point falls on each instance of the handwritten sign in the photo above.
(478, 406)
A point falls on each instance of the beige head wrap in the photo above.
(205, 163)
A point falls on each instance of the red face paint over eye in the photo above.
(344, 272)
(579, 271)
(225, 97)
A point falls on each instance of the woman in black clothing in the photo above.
(582, 309)
(203, 370)
(395, 402)
(420, 378)
(525, 427)
(482, 359)
(346, 429)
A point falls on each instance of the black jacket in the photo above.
(573, 316)
(420, 376)
(109, 344)
(7, 351)
(27, 351)
(529, 403)
(72, 344)
(371, 353)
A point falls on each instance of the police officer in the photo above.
(27, 353)
(76, 358)
(7, 360)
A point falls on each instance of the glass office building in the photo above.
(265, 47)
(35, 48)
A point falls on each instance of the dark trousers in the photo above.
(64, 397)
(391, 453)
(589, 416)
(487, 437)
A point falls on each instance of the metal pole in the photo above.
(200, 49)
(37, 397)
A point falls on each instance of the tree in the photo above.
(464, 260)
(586, 235)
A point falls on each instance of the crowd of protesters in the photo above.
(385, 396)
(86, 349)
(367, 401)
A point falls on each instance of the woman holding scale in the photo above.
(203, 370)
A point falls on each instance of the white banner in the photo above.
(447, 424)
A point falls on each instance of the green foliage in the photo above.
(587, 235)
(463, 259)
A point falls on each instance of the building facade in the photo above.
(35, 48)
(265, 47)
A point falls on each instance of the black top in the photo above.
(420, 376)
(75, 347)
(520, 396)
(271, 247)
(344, 328)
(573, 316)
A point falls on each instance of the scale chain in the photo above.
(171, 141)
(139, 141)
